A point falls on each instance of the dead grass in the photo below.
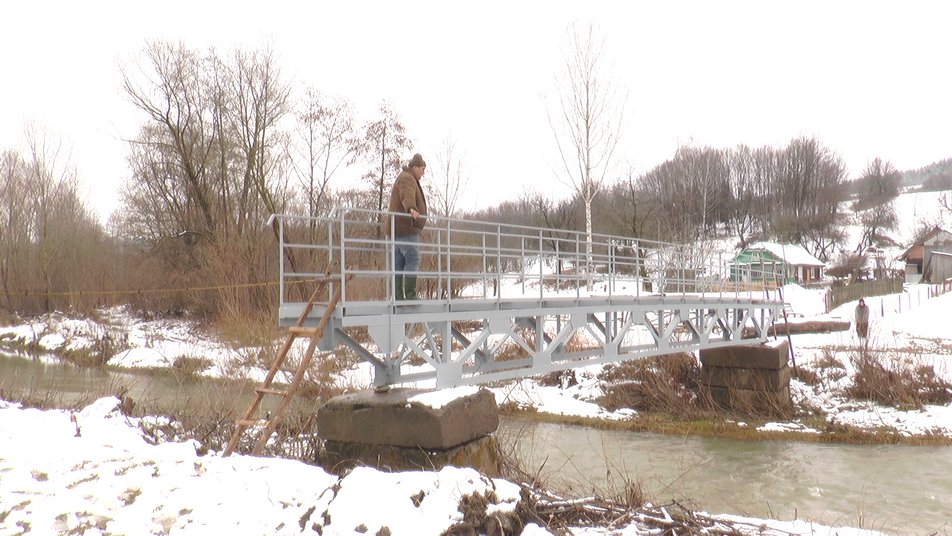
(887, 378)
(666, 384)
(191, 365)
(49, 398)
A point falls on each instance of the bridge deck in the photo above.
(650, 298)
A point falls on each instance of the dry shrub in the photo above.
(321, 380)
(510, 350)
(828, 361)
(370, 289)
(665, 383)
(295, 437)
(828, 369)
(190, 365)
(884, 378)
(478, 520)
(807, 376)
(210, 416)
(46, 398)
(247, 328)
(559, 378)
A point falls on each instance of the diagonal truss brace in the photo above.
(456, 346)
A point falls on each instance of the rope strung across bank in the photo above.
(40, 293)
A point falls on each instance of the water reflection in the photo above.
(165, 393)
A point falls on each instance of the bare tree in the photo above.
(878, 189)
(556, 218)
(448, 180)
(631, 210)
(212, 138)
(587, 126)
(878, 185)
(810, 187)
(705, 174)
(324, 143)
(875, 221)
(50, 244)
(261, 101)
(666, 194)
(766, 170)
(743, 190)
(173, 93)
(208, 165)
(382, 146)
(14, 223)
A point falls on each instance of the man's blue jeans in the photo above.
(406, 258)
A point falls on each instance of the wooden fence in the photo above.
(840, 295)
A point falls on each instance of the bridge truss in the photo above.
(501, 301)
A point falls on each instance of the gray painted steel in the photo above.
(501, 301)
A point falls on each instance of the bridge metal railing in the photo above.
(465, 259)
(498, 301)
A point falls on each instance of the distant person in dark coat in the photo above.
(862, 319)
(409, 205)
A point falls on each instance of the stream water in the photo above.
(894, 489)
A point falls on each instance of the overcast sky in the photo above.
(866, 78)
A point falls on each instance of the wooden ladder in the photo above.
(294, 332)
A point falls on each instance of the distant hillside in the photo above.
(932, 178)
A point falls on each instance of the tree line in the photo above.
(796, 194)
(226, 141)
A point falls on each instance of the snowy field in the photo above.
(95, 472)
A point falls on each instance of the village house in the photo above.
(770, 262)
(931, 260)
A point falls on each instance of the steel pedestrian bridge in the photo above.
(499, 301)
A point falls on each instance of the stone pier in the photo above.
(751, 379)
(410, 429)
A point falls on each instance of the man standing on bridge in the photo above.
(407, 219)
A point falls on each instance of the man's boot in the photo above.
(398, 287)
(409, 287)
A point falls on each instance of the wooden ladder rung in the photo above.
(271, 391)
(303, 330)
(313, 333)
(241, 422)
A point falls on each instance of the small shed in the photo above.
(770, 262)
(929, 261)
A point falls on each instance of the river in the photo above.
(894, 489)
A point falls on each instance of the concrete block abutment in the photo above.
(405, 429)
(750, 379)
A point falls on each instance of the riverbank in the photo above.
(97, 471)
(911, 342)
(184, 347)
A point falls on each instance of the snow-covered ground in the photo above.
(93, 471)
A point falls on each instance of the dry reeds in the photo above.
(665, 384)
(886, 378)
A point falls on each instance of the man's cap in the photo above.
(417, 161)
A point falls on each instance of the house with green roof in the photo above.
(773, 263)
